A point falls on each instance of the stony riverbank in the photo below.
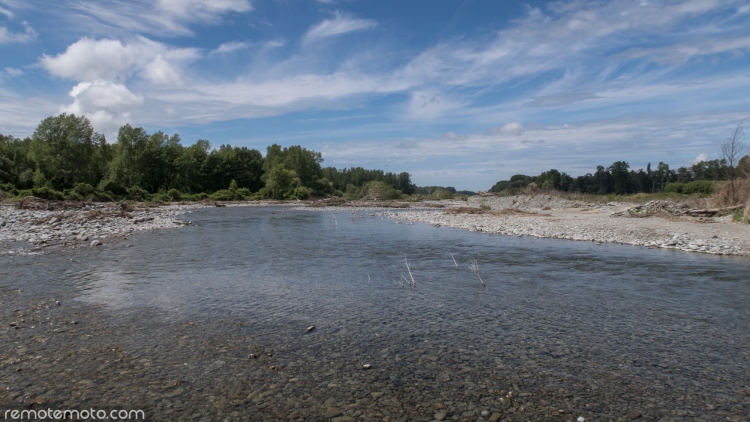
(551, 217)
(28, 230)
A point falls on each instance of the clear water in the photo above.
(590, 329)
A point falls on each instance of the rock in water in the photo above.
(96, 243)
(310, 328)
(366, 366)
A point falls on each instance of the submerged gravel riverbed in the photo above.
(211, 323)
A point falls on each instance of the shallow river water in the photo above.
(210, 322)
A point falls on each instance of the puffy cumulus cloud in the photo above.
(107, 104)
(89, 59)
(7, 36)
(160, 72)
(701, 157)
(340, 24)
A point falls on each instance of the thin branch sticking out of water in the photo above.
(474, 266)
(389, 275)
(368, 278)
(454, 260)
(334, 219)
(413, 283)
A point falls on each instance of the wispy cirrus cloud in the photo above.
(161, 17)
(231, 46)
(7, 36)
(340, 24)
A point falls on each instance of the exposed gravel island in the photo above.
(31, 230)
(552, 217)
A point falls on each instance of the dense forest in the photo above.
(66, 159)
(620, 179)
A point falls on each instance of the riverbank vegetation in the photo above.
(66, 159)
(723, 182)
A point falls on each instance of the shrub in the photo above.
(699, 186)
(353, 192)
(222, 195)
(380, 191)
(676, 187)
(47, 193)
(137, 193)
(243, 193)
(301, 192)
(174, 195)
(159, 197)
(115, 188)
(83, 189)
(485, 207)
(441, 193)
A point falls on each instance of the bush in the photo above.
(110, 186)
(244, 193)
(223, 195)
(676, 187)
(47, 193)
(705, 187)
(699, 186)
(381, 191)
(440, 193)
(301, 192)
(137, 193)
(174, 195)
(83, 189)
(353, 192)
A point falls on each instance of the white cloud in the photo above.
(89, 59)
(160, 72)
(7, 37)
(230, 47)
(510, 128)
(701, 157)
(13, 72)
(162, 17)
(341, 24)
(6, 12)
(107, 104)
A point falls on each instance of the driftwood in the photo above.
(710, 212)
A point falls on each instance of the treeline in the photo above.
(621, 180)
(66, 158)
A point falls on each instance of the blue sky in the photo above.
(459, 93)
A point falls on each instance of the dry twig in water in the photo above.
(334, 219)
(413, 283)
(389, 275)
(474, 266)
(454, 260)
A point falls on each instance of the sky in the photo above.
(457, 93)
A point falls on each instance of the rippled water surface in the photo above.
(571, 328)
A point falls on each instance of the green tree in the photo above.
(64, 147)
(279, 182)
(620, 176)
